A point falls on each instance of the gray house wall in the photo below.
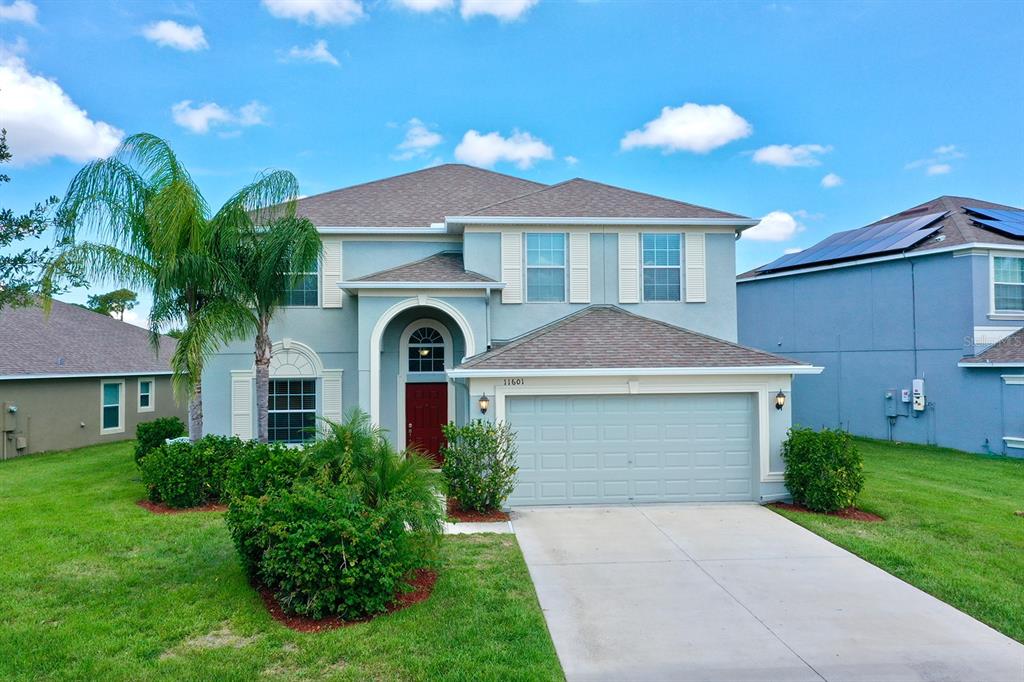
(878, 326)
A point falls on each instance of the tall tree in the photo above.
(113, 302)
(152, 230)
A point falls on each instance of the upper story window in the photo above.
(545, 266)
(301, 290)
(1008, 284)
(662, 265)
(426, 350)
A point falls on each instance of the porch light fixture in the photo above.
(780, 400)
(484, 403)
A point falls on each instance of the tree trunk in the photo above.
(195, 413)
(263, 349)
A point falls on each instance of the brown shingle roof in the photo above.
(73, 340)
(607, 337)
(415, 199)
(441, 267)
(589, 199)
(1010, 349)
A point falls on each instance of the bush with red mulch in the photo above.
(161, 508)
(849, 513)
(456, 512)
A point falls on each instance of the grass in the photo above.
(93, 587)
(950, 527)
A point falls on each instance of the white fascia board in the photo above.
(552, 220)
(1013, 441)
(421, 285)
(635, 371)
(82, 375)
(882, 259)
(987, 365)
(435, 228)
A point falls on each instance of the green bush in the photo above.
(186, 474)
(824, 469)
(259, 468)
(480, 464)
(151, 435)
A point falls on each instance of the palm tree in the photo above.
(154, 231)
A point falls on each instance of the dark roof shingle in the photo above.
(608, 337)
(73, 340)
(441, 267)
(1010, 349)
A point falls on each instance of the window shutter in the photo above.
(241, 404)
(331, 272)
(579, 267)
(512, 267)
(696, 268)
(332, 408)
(629, 267)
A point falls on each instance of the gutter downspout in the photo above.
(487, 318)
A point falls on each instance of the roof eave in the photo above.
(986, 364)
(420, 285)
(470, 373)
(86, 375)
(433, 228)
(739, 223)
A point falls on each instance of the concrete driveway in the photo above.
(736, 592)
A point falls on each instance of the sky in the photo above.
(815, 117)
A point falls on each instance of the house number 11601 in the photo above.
(517, 381)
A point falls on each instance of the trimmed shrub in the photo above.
(151, 435)
(259, 468)
(824, 469)
(186, 474)
(479, 464)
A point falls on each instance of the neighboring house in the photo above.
(934, 293)
(599, 322)
(75, 377)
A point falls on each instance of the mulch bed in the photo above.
(422, 582)
(469, 516)
(161, 508)
(850, 513)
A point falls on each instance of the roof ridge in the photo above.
(520, 196)
(543, 330)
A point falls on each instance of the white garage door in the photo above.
(633, 448)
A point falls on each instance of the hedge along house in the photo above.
(74, 378)
(917, 320)
(598, 321)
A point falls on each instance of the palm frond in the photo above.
(269, 197)
(208, 329)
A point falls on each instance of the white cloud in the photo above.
(947, 149)
(938, 169)
(199, 119)
(777, 226)
(425, 5)
(571, 160)
(172, 34)
(522, 149)
(788, 155)
(691, 127)
(317, 52)
(20, 11)
(43, 121)
(807, 215)
(419, 140)
(939, 162)
(503, 10)
(319, 12)
(132, 317)
(831, 180)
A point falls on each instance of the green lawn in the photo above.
(93, 587)
(950, 527)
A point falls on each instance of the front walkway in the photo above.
(736, 592)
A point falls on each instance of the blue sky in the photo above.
(744, 107)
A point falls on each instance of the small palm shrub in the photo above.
(151, 435)
(480, 464)
(186, 474)
(824, 469)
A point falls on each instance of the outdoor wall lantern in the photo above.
(780, 400)
(484, 403)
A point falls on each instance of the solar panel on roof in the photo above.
(1008, 221)
(894, 235)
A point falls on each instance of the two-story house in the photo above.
(598, 321)
(935, 294)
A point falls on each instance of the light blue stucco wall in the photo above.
(878, 326)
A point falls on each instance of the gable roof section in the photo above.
(1008, 352)
(74, 341)
(588, 199)
(446, 266)
(608, 337)
(416, 199)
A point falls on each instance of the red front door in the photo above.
(426, 411)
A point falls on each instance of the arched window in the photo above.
(426, 350)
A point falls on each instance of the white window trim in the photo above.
(317, 392)
(319, 291)
(680, 268)
(120, 406)
(993, 312)
(564, 267)
(152, 394)
(404, 373)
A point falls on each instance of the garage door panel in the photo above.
(622, 448)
